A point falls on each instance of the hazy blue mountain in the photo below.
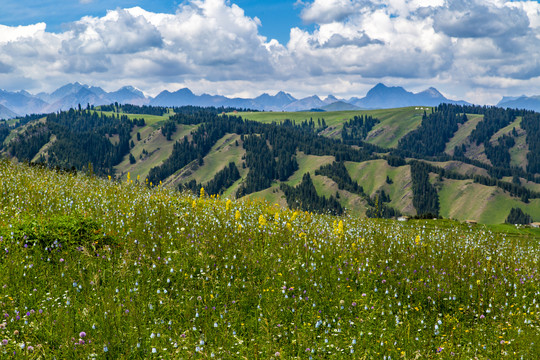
(71, 95)
(308, 103)
(61, 92)
(186, 97)
(21, 102)
(330, 99)
(127, 95)
(522, 102)
(273, 103)
(180, 97)
(384, 97)
(339, 106)
(83, 97)
(5, 113)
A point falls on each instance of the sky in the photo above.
(476, 50)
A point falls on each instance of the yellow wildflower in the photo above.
(262, 221)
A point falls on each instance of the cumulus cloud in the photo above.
(119, 32)
(213, 46)
(207, 39)
(473, 19)
(327, 11)
(15, 33)
(454, 41)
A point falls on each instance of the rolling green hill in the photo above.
(467, 188)
(394, 123)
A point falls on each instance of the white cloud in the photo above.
(466, 46)
(10, 34)
(117, 33)
(327, 11)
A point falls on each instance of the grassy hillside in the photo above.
(92, 268)
(371, 175)
(460, 168)
(223, 152)
(20, 129)
(507, 129)
(157, 147)
(395, 123)
(518, 153)
(461, 200)
(465, 200)
(149, 119)
(464, 131)
(307, 163)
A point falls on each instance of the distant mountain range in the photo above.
(522, 102)
(13, 104)
(20, 103)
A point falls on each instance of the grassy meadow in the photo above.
(99, 269)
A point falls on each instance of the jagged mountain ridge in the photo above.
(71, 95)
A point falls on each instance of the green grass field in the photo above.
(92, 268)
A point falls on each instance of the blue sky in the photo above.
(477, 50)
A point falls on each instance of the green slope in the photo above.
(307, 163)
(460, 168)
(459, 199)
(149, 119)
(157, 146)
(466, 200)
(327, 187)
(395, 123)
(222, 153)
(371, 175)
(507, 129)
(462, 135)
(273, 195)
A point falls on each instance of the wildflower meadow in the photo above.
(93, 268)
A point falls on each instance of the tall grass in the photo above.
(139, 273)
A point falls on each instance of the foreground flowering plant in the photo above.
(153, 273)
